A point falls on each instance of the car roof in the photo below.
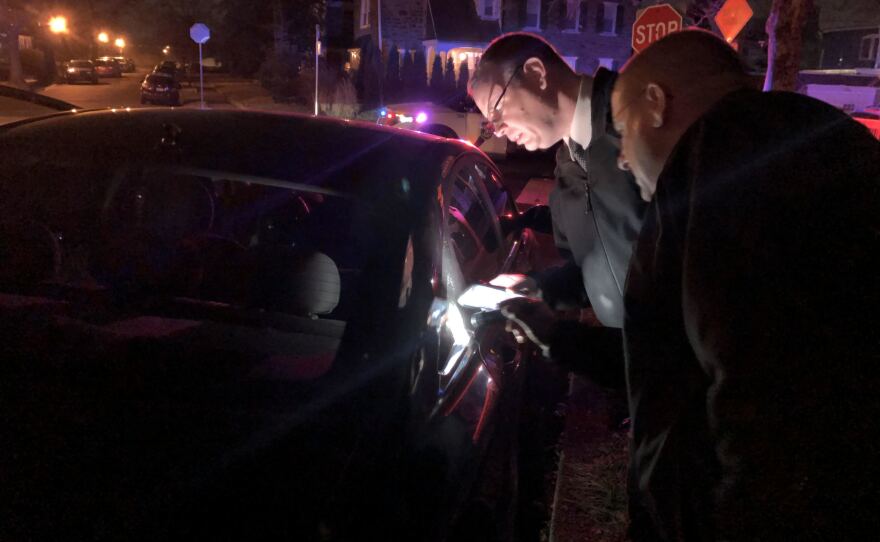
(289, 148)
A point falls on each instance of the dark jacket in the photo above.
(597, 215)
(750, 336)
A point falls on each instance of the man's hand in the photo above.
(529, 318)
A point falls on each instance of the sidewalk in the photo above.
(590, 494)
(248, 94)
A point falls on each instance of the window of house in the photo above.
(488, 9)
(533, 14)
(365, 13)
(868, 48)
(571, 18)
(609, 18)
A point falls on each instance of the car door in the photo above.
(473, 251)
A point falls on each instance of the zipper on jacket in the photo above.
(589, 203)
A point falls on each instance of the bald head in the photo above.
(694, 64)
(663, 90)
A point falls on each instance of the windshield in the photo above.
(80, 64)
(159, 80)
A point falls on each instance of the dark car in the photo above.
(127, 64)
(160, 88)
(231, 325)
(107, 67)
(80, 70)
(168, 67)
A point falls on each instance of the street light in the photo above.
(119, 43)
(58, 25)
(103, 37)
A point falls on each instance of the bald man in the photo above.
(750, 328)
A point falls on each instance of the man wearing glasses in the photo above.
(530, 95)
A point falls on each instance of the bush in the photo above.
(279, 73)
(33, 63)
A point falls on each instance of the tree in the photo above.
(406, 74)
(785, 43)
(392, 74)
(449, 76)
(464, 75)
(702, 12)
(12, 20)
(420, 74)
(436, 85)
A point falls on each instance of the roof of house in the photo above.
(457, 20)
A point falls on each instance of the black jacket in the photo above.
(597, 215)
(753, 362)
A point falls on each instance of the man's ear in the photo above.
(535, 72)
(657, 102)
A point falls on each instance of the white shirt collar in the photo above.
(581, 130)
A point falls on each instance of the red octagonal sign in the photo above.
(653, 23)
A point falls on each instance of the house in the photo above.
(588, 33)
(850, 35)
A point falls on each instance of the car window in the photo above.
(175, 236)
(472, 225)
(497, 194)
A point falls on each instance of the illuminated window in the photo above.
(609, 18)
(533, 14)
(868, 49)
(489, 9)
(365, 13)
(571, 18)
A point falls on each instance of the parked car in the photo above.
(456, 118)
(107, 67)
(126, 63)
(160, 88)
(169, 67)
(246, 326)
(80, 70)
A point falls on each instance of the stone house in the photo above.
(588, 33)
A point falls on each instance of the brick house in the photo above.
(588, 33)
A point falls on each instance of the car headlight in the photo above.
(71, 70)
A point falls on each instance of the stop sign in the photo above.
(652, 24)
(199, 33)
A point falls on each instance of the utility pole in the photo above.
(317, 60)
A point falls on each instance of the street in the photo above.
(113, 92)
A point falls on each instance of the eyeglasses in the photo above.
(495, 112)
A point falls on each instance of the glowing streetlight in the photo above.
(103, 37)
(58, 25)
(166, 49)
(119, 43)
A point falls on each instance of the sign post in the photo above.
(317, 55)
(654, 23)
(200, 34)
